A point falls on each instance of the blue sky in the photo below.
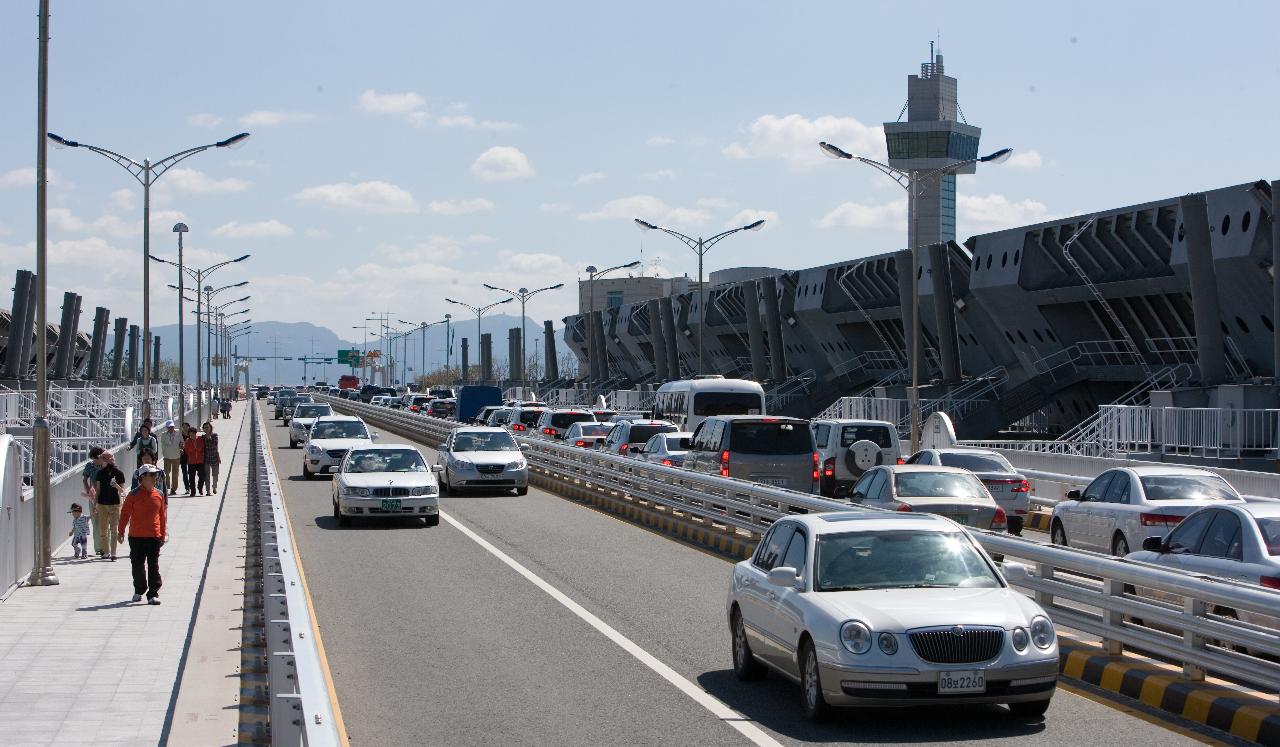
(405, 151)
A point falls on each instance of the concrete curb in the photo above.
(1236, 713)
(1038, 520)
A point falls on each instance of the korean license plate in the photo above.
(390, 504)
(962, 681)
(961, 519)
(490, 476)
(777, 482)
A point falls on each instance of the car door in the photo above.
(875, 491)
(1220, 552)
(1115, 513)
(755, 593)
(1078, 517)
(1181, 549)
(786, 615)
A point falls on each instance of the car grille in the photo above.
(338, 453)
(389, 492)
(966, 646)
(490, 469)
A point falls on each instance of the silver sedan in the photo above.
(387, 480)
(482, 458)
(946, 491)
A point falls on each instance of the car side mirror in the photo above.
(785, 576)
(437, 468)
(1015, 573)
(857, 495)
(1154, 544)
(525, 447)
(1074, 495)
(373, 435)
(686, 443)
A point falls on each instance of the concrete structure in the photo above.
(609, 293)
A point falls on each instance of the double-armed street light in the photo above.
(914, 181)
(146, 173)
(479, 312)
(524, 294)
(199, 276)
(423, 327)
(700, 246)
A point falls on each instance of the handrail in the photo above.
(1080, 590)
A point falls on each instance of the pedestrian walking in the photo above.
(146, 518)
(90, 492)
(212, 459)
(226, 409)
(144, 441)
(194, 447)
(171, 452)
(109, 482)
(184, 431)
(79, 533)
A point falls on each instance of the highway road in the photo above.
(535, 620)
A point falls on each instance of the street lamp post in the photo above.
(205, 315)
(914, 181)
(479, 312)
(524, 294)
(181, 228)
(146, 173)
(701, 247)
(364, 348)
(422, 326)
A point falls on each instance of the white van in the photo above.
(690, 401)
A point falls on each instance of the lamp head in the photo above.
(179, 227)
(557, 286)
(754, 226)
(999, 156)
(522, 291)
(62, 142)
(235, 141)
(591, 269)
(208, 289)
(154, 258)
(241, 258)
(645, 225)
(633, 264)
(448, 316)
(832, 151)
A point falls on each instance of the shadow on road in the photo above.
(327, 521)
(774, 703)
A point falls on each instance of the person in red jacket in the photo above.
(147, 520)
(194, 449)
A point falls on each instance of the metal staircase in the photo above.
(1085, 437)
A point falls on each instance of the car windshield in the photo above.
(566, 419)
(485, 442)
(339, 429)
(706, 404)
(770, 437)
(386, 460)
(640, 434)
(937, 485)
(976, 462)
(1187, 487)
(530, 417)
(596, 429)
(1270, 529)
(312, 411)
(673, 443)
(899, 559)
(877, 434)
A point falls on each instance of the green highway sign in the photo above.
(349, 357)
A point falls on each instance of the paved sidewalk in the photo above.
(79, 662)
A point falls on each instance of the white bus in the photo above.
(688, 402)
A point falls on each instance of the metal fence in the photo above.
(1181, 616)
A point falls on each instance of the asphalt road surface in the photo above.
(433, 639)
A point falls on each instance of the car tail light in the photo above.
(517, 427)
(548, 431)
(817, 467)
(668, 463)
(1160, 520)
(580, 443)
(413, 408)
(623, 448)
(903, 507)
(1000, 523)
(829, 467)
(901, 460)
(724, 464)
(1270, 582)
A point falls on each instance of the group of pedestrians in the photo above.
(140, 512)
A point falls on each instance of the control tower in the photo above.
(931, 138)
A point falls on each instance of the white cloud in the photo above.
(204, 120)
(390, 103)
(317, 233)
(434, 250)
(554, 207)
(502, 163)
(419, 119)
(659, 175)
(751, 215)
(647, 207)
(863, 215)
(497, 125)
(123, 199)
(260, 229)
(589, 178)
(25, 177)
(460, 207)
(480, 238)
(469, 122)
(191, 181)
(272, 118)
(994, 211)
(717, 203)
(62, 220)
(794, 139)
(375, 197)
(1026, 159)
(658, 141)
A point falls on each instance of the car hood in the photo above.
(385, 479)
(305, 422)
(489, 457)
(338, 443)
(899, 610)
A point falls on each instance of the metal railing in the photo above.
(1208, 432)
(1186, 621)
(301, 712)
(867, 408)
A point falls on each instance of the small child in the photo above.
(79, 533)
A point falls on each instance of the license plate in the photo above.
(490, 475)
(390, 504)
(962, 681)
(962, 519)
(777, 482)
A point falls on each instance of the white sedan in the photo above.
(1124, 506)
(329, 440)
(865, 608)
(385, 480)
(304, 416)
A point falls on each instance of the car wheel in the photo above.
(522, 491)
(1058, 534)
(811, 697)
(306, 473)
(1029, 709)
(293, 444)
(433, 521)
(745, 665)
(1119, 545)
(343, 521)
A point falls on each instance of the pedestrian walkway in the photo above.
(79, 662)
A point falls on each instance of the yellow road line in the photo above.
(315, 625)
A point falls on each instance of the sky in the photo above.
(402, 152)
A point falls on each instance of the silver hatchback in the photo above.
(774, 451)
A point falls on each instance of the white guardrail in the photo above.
(1184, 617)
(301, 712)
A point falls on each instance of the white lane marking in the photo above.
(699, 696)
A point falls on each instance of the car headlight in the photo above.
(888, 643)
(855, 637)
(462, 464)
(518, 464)
(1042, 632)
(313, 449)
(357, 492)
(423, 490)
(1020, 639)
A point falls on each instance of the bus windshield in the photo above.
(706, 404)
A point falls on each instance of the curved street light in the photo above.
(914, 181)
(423, 327)
(524, 294)
(479, 312)
(701, 247)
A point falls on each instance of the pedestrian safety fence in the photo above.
(301, 712)
(1196, 621)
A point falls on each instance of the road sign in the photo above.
(373, 354)
(349, 357)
